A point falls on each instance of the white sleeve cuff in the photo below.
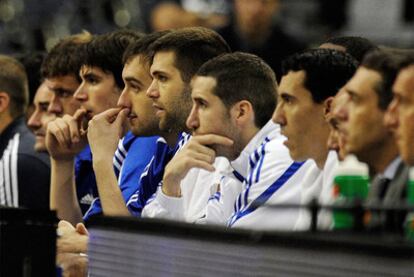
(173, 205)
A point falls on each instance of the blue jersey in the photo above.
(85, 181)
(130, 159)
(151, 178)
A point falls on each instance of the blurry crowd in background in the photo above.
(37, 25)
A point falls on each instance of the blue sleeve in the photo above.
(139, 154)
(138, 157)
(85, 180)
(149, 180)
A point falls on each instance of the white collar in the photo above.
(391, 169)
(241, 163)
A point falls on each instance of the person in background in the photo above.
(60, 70)
(400, 113)
(41, 117)
(162, 15)
(357, 47)
(336, 116)
(32, 62)
(252, 29)
(367, 137)
(18, 156)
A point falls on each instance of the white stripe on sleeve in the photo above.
(14, 173)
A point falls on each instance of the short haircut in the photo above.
(64, 58)
(241, 76)
(387, 62)
(326, 70)
(32, 62)
(357, 47)
(106, 52)
(192, 47)
(13, 81)
(408, 57)
(142, 46)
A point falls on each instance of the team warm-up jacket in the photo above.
(151, 178)
(269, 177)
(85, 181)
(196, 189)
(321, 190)
(24, 173)
(130, 160)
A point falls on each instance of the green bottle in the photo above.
(409, 221)
(350, 183)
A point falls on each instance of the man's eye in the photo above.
(43, 107)
(64, 94)
(162, 78)
(286, 99)
(135, 87)
(92, 80)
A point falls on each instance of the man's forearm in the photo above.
(63, 197)
(113, 203)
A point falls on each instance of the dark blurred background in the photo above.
(28, 25)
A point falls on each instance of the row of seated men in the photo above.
(175, 125)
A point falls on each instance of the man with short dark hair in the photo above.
(60, 69)
(309, 82)
(369, 139)
(357, 47)
(176, 58)
(137, 144)
(41, 116)
(18, 157)
(400, 114)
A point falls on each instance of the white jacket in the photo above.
(270, 178)
(196, 188)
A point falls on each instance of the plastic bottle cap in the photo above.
(352, 167)
(411, 174)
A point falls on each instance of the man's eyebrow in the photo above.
(133, 79)
(286, 94)
(61, 89)
(199, 99)
(350, 92)
(158, 71)
(91, 74)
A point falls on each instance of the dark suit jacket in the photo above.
(394, 194)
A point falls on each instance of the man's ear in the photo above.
(328, 106)
(4, 101)
(242, 112)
